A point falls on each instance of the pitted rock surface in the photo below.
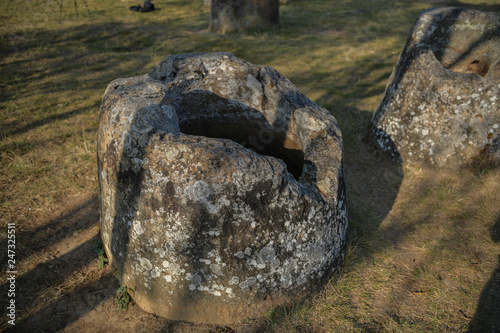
(441, 105)
(241, 15)
(221, 189)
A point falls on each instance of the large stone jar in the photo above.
(221, 188)
(241, 15)
(441, 105)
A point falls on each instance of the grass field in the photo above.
(424, 245)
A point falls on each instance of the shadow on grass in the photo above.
(67, 63)
(48, 278)
(487, 317)
(53, 117)
(83, 217)
(47, 282)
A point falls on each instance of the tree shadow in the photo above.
(66, 291)
(69, 307)
(487, 316)
(42, 236)
(79, 59)
(81, 219)
(49, 278)
(42, 280)
(54, 117)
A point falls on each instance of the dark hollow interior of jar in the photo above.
(255, 136)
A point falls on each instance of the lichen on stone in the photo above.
(440, 105)
(222, 187)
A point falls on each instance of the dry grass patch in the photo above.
(426, 266)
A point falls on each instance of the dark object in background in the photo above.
(147, 7)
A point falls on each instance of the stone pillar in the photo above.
(240, 15)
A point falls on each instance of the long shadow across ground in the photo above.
(487, 317)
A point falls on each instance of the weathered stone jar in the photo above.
(241, 15)
(221, 188)
(441, 105)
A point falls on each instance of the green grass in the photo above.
(98, 249)
(422, 254)
(124, 297)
